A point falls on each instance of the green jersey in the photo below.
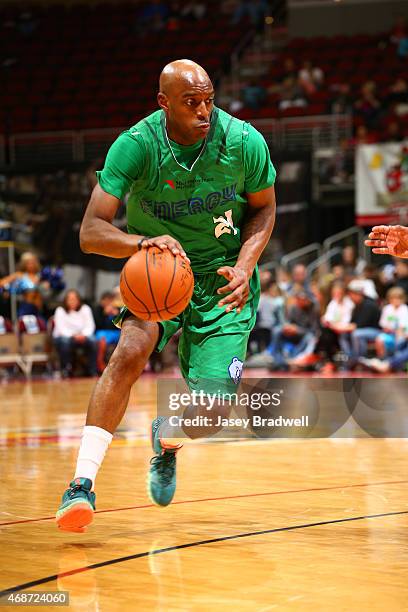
(195, 193)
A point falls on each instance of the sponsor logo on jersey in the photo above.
(235, 369)
(193, 206)
(224, 225)
(171, 183)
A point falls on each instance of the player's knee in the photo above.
(130, 357)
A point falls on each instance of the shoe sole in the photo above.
(76, 518)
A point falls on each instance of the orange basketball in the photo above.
(156, 285)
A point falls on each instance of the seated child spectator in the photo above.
(394, 323)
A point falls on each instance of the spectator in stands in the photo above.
(402, 51)
(401, 274)
(394, 323)
(299, 280)
(399, 31)
(271, 312)
(393, 133)
(26, 23)
(289, 69)
(74, 327)
(256, 10)
(173, 19)
(334, 322)
(364, 325)
(154, 16)
(362, 136)
(291, 95)
(368, 106)
(342, 102)
(339, 168)
(397, 99)
(26, 283)
(300, 331)
(253, 95)
(396, 363)
(352, 264)
(373, 284)
(310, 78)
(194, 10)
(106, 333)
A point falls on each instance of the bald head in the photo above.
(187, 97)
(182, 74)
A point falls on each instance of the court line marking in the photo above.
(33, 583)
(205, 499)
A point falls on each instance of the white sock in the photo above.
(94, 444)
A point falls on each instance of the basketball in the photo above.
(156, 285)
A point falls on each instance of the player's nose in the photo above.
(202, 112)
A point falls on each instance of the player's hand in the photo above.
(389, 240)
(166, 242)
(238, 288)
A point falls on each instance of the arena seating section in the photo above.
(90, 67)
(343, 59)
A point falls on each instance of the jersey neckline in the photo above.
(208, 138)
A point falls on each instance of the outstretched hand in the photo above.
(238, 288)
(389, 240)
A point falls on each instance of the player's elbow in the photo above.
(85, 240)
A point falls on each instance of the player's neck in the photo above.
(178, 138)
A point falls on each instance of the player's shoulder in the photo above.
(130, 142)
(230, 121)
(247, 128)
(252, 134)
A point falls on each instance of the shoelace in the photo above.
(164, 465)
(77, 488)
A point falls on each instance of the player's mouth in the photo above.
(203, 127)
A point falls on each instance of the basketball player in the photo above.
(200, 184)
(389, 240)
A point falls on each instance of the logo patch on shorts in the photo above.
(235, 369)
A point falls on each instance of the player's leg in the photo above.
(161, 478)
(212, 349)
(106, 409)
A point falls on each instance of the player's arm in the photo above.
(255, 233)
(124, 164)
(258, 224)
(98, 235)
(257, 228)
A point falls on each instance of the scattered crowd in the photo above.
(378, 114)
(354, 316)
(75, 329)
(157, 15)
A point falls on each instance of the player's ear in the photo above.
(163, 101)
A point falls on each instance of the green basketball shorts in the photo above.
(213, 344)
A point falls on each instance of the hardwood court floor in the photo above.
(256, 525)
